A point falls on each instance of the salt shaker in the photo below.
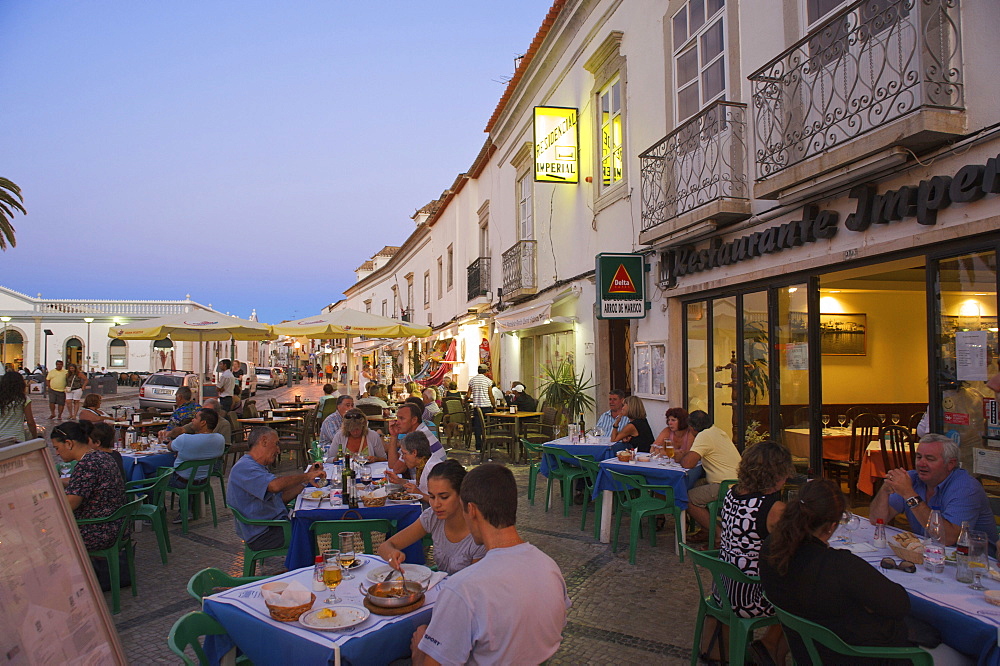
(879, 540)
(318, 568)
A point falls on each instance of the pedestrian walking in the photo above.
(55, 385)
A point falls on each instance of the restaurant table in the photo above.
(260, 420)
(601, 448)
(872, 467)
(836, 442)
(292, 403)
(665, 472)
(378, 640)
(139, 466)
(966, 621)
(517, 418)
(292, 411)
(142, 428)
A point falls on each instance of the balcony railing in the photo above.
(871, 64)
(479, 278)
(519, 269)
(407, 314)
(701, 161)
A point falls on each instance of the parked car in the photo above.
(248, 381)
(282, 376)
(160, 388)
(267, 378)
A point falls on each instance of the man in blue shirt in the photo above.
(200, 444)
(260, 495)
(937, 483)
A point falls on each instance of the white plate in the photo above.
(307, 493)
(347, 616)
(412, 498)
(417, 572)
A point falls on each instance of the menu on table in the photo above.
(53, 610)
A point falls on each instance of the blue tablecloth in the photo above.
(601, 451)
(265, 641)
(138, 468)
(302, 554)
(681, 480)
(977, 639)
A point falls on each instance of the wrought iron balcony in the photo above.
(701, 161)
(519, 269)
(873, 63)
(479, 278)
(407, 314)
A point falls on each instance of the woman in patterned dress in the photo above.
(95, 489)
(750, 511)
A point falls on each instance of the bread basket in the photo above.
(372, 500)
(915, 556)
(287, 613)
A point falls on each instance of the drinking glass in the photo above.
(332, 575)
(366, 474)
(851, 523)
(841, 419)
(347, 554)
(978, 561)
(881, 418)
(826, 420)
(895, 419)
(933, 548)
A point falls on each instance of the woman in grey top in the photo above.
(454, 547)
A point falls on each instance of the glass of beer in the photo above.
(347, 555)
(668, 450)
(332, 575)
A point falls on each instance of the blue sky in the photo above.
(251, 153)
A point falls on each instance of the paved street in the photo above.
(621, 613)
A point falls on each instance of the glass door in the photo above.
(965, 328)
(757, 367)
(791, 354)
(726, 373)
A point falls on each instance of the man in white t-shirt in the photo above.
(226, 384)
(521, 618)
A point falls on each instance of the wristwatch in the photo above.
(913, 501)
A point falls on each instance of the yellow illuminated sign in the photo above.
(557, 145)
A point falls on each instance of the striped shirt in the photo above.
(480, 387)
(606, 421)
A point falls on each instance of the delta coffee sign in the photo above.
(621, 286)
(923, 202)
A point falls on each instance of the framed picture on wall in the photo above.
(650, 369)
(843, 334)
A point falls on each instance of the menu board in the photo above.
(52, 610)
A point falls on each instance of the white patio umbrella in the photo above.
(198, 326)
(347, 324)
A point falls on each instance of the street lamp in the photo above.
(89, 320)
(295, 376)
(3, 344)
(47, 334)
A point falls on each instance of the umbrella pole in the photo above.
(350, 365)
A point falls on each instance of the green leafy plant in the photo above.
(753, 435)
(561, 387)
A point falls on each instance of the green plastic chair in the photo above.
(533, 466)
(187, 632)
(251, 556)
(565, 472)
(195, 489)
(812, 633)
(206, 582)
(740, 628)
(152, 510)
(122, 542)
(219, 472)
(365, 526)
(593, 468)
(645, 505)
(714, 507)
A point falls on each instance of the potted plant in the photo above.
(561, 387)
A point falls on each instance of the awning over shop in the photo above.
(536, 314)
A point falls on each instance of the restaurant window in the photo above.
(525, 221)
(817, 10)
(427, 289)
(966, 354)
(554, 348)
(117, 353)
(756, 367)
(651, 369)
(484, 236)
(791, 360)
(696, 355)
(610, 108)
(699, 58)
(451, 267)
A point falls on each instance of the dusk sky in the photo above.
(250, 154)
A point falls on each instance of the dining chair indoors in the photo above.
(864, 430)
(897, 447)
(740, 628)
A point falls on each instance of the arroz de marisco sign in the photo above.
(621, 286)
(923, 201)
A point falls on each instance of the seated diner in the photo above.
(356, 438)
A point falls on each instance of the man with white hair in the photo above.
(936, 483)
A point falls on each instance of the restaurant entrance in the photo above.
(799, 360)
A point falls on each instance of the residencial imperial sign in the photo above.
(621, 286)
(557, 145)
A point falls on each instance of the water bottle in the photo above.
(963, 574)
(130, 437)
(879, 540)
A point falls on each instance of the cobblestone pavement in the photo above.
(621, 613)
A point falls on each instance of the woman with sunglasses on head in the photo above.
(355, 437)
(95, 488)
(15, 409)
(803, 575)
(454, 547)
